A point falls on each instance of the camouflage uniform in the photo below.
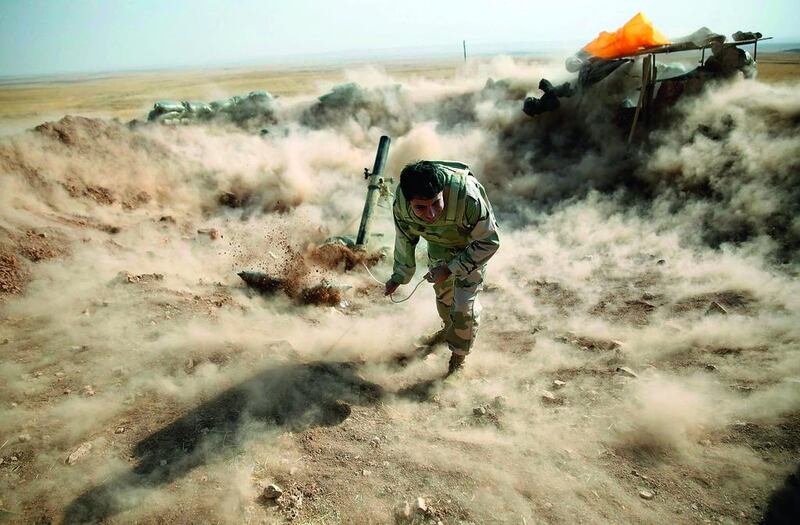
(463, 237)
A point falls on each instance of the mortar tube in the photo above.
(373, 192)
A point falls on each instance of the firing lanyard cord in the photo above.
(391, 298)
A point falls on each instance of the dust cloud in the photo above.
(639, 339)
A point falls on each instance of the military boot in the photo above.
(456, 363)
(433, 339)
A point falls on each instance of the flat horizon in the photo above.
(336, 59)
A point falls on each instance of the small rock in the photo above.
(557, 383)
(88, 391)
(163, 462)
(24, 438)
(624, 370)
(548, 396)
(14, 458)
(5, 341)
(14, 405)
(646, 494)
(421, 505)
(272, 491)
(647, 296)
(479, 411)
(705, 442)
(67, 391)
(661, 262)
(710, 367)
(79, 348)
(715, 308)
(38, 373)
(120, 430)
(79, 453)
(375, 442)
(366, 472)
(59, 374)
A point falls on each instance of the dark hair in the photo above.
(422, 180)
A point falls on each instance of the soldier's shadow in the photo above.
(783, 506)
(289, 397)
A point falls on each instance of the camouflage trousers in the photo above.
(458, 306)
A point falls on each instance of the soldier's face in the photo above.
(428, 209)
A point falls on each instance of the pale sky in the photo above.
(71, 36)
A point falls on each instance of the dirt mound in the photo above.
(80, 131)
(93, 159)
(322, 295)
(340, 257)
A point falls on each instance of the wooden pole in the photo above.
(644, 93)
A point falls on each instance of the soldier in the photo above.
(443, 203)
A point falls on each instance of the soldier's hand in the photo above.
(390, 287)
(438, 275)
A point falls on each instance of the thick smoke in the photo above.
(640, 330)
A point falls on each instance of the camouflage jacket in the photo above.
(464, 236)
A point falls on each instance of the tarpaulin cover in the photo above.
(634, 36)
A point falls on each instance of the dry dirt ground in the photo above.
(626, 371)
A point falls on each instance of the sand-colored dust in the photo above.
(637, 358)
